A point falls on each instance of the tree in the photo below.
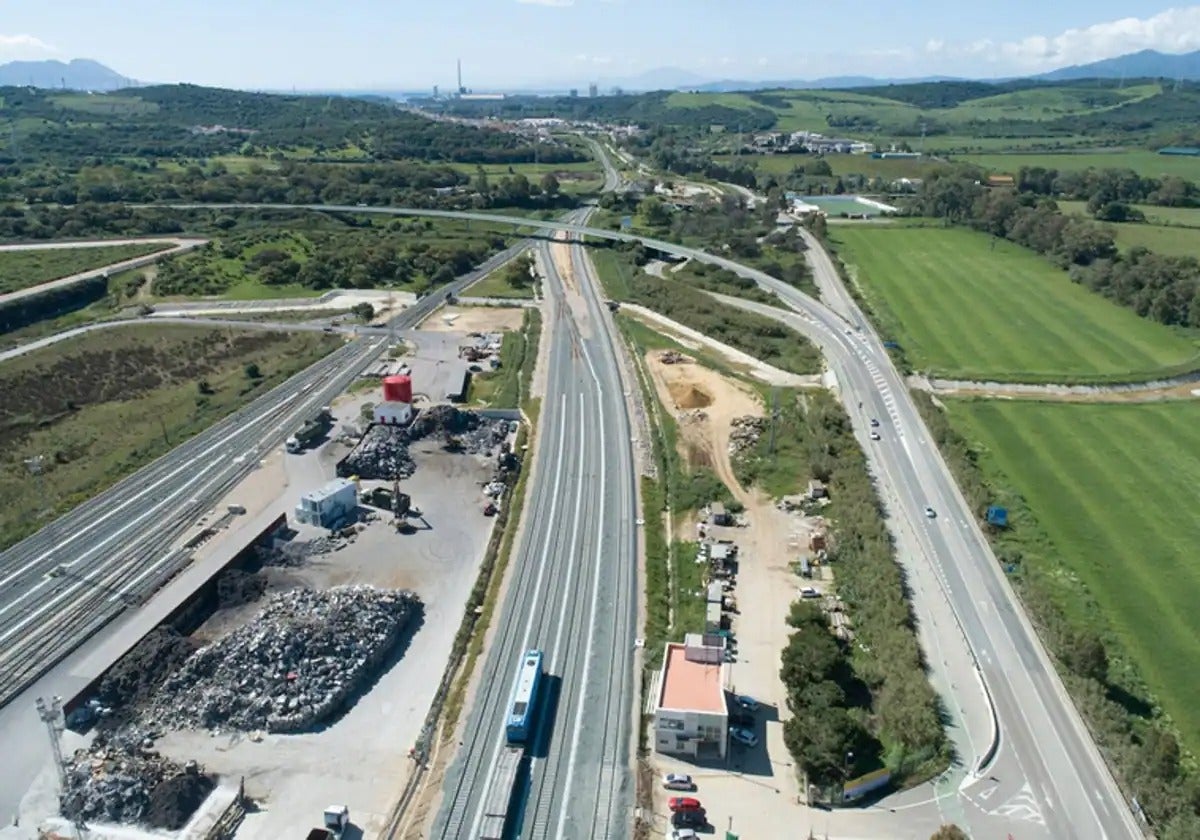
(550, 185)
(363, 311)
(252, 371)
(949, 832)
(1087, 657)
(655, 212)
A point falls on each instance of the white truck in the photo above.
(337, 818)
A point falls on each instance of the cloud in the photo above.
(23, 46)
(555, 3)
(1173, 31)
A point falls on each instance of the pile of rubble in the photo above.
(121, 779)
(381, 454)
(744, 433)
(293, 553)
(291, 667)
(383, 451)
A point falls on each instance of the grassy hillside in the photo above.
(1111, 487)
(22, 269)
(1144, 162)
(965, 307)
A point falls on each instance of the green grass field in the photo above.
(22, 269)
(1144, 162)
(1112, 487)
(840, 164)
(1174, 231)
(964, 307)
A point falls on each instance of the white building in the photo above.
(393, 413)
(690, 715)
(325, 507)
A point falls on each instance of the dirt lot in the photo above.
(758, 789)
(475, 319)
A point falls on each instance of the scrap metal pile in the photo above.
(291, 667)
(383, 451)
(121, 779)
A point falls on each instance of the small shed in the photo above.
(717, 514)
(997, 516)
(715, 592)
(712, 618)
(816, 490)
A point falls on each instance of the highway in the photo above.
(1051, 780)
(63, 583)
(572, 593)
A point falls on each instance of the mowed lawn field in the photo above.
(1113, 487)
(965, 307)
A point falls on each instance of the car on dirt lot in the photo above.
(689, 819)
(743, 736)
(678, 781)
(684, 803)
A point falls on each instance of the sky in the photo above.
(410, 45)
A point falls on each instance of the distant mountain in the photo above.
(1139, 65)
(824, 83)
(78, 74)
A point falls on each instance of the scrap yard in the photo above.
(312, 611)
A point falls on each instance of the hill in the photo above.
(78, 74)
(1148, 64)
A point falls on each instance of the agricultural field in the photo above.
(22, 269)
(1143, 161)
(573, 178)
(964, 306)
(890, 168)
(1174, 231)
(120, 398)
(1111, 487)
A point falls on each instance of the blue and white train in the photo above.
(522, 711)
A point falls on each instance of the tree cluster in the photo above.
(1101, 188)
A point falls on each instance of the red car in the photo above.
(683, 803)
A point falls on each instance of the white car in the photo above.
(678, 781)
(684, 834)
(743, 736)
(810, 592)
(930, 512)
(874, 435)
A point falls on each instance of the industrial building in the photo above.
(396, 408)
(690, 715)
(329, 505)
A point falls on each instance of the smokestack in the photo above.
(460, 84)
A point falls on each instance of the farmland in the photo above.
(22, 269)
(120, 398)
(965, 307)
(839, 164)
(1174, 231)
(1111, 487)
(1146, 163)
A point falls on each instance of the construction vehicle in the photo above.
(312, 429)
(337, 819)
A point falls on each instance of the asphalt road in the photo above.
(178, 246)
(65, 583)
(1052, 781)
(572, 593)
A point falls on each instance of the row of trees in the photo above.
(1164, 289)
(1101, 187)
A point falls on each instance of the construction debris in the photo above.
(745, 433)
(138, 673)
(294, 665)
(673, 357)
(383, 451)
(121, 779)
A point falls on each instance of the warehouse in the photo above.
(690, 716)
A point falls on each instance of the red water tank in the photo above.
(397, 389)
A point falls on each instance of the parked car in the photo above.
(689, 819)
(743, 736)
(684, 803)
(810, 592)
(678, 781)
(684, 834)
(746, 702)
(930, 512)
